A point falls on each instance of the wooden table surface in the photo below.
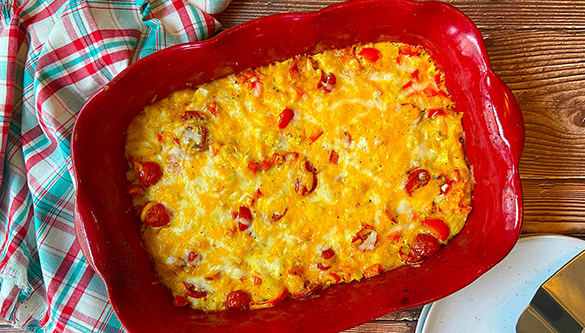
(538, 49)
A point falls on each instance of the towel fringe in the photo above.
(14, 284)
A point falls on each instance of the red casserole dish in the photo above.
(108, 230)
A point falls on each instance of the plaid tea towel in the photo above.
(54, 54)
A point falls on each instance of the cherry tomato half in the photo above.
(437, 227)
(272, 302)
(422, 246)
(285, 117)
(417, 179)
(370, 54)
(155, 215)
(193, 291)
(328, 254)
(237, 299)
(149, 173)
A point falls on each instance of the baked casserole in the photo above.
(281, 180)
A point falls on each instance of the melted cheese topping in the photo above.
(373, 151)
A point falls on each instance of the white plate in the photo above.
(493, 303)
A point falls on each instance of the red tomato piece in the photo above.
(447, 184)
(245, 76)
(328, 254)
(394, 237)
(271, 303)
(310, 167)
(422, 246)
(214, 150)
(155, 215)
(333, 157)
(149, 173)
(365, 239)
(285, 117)
(193, 138)
(212, 108)
(327, 82)
(370, 54)
(306, 182)
(265, 164)
(237, 300)
(190, 115)
(322, 79)
(134, 189)
(315, 137)
(335, 277)
(373, 270)
(244, 218)
(361, 236)
(192, 256)
(409, 50)
(242, 226)
(417, 179)
(435, 112)
(253, 166)
(302, 189)
(293, 70)
(442, 93)
(281, 297)
(258, 193)
(277, 159)
(437, 227)
(278, 216)
(256, 87)
(414, 74)
(430, 92)
(407, 85)
(389, 215)
(347, 136)
(257, 280)
(180, 301)
(245, 213)
(193, 291)
(425, 245)
(323, 267)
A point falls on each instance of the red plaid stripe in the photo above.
(67, 50)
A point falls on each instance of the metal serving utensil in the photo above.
(559, 304)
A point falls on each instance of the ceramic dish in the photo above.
(495, 301)
(108, 230)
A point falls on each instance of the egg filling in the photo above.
(279, 181)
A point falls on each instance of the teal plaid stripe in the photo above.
(57, 54)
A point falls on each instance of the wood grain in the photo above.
(399, 321)
(546, 72)
(553, 206)
(494, 14)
